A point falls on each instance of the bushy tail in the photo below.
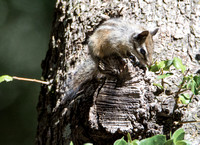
(83, 72)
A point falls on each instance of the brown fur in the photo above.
(117, 36)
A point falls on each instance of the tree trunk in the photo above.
(100, 109)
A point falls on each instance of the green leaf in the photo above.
(195, 84)
(189, 82)
(183, 142)
(161, 64)
(170, 134)
(6, 78)
(165, 65)
(154, 68)
(120, 142)
(164, 75)
(135, 142)
(192, 83)
(169, 142)
(185, 98)
(185, 81)
(71, 143)
(158, 85)
(88, 144)
(197, 81)
(168, 63)
(177, 62)
(155, 140)
(178, 135)
(129, 138)
(192, 86)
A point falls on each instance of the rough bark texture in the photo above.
(100, 110)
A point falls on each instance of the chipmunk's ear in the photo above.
(154, 32)
(141, 37)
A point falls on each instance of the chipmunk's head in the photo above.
(143, 46)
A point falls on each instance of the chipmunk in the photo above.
(122, 38)
(114, 37)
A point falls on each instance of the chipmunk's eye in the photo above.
(142, 51)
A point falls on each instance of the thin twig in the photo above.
(191, 97)
(193, 121)
(179, 90)
(162, 80)
(183, 91)
(30, 80)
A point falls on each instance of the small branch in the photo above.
(30, 80)
(183, 91)
(194, 121)
(162, 80)
(179, 91)
(166, 83)
(191, 97)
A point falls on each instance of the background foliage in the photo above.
(24, 35)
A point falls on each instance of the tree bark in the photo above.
(99, 110)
